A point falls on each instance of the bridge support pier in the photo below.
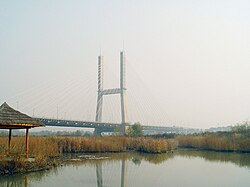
(98, 131)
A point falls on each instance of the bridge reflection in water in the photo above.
(123, 174)
(23, 181)
(102, 172)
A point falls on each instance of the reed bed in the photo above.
(230, 142)
(111, 144)
(41, 147)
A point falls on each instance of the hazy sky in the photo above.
(188, 62)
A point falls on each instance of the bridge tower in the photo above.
(98, 117)
(121, 91)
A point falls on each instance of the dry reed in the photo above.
(41, 147)
(216, 142)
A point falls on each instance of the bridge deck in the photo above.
(73, 123)
(109, 127)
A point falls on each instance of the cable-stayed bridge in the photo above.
(98, 124)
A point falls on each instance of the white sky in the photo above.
(188, 62)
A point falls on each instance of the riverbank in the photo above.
(45, 151)
(10, 166)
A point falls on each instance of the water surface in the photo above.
(183, 168)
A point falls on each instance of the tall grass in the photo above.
(38, 146)
(111, 144)
(54, 146)
(216, 141)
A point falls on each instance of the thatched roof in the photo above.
(10, 118)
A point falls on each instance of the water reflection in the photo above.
(89, 160)
(99, 175)
(123, 174)
(23, 180)
(8, 182)
(135, 160)
(242, 160)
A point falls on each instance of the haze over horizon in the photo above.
(187, 62)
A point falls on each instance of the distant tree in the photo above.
(117, 129)
(87, 134)
(243, 129)
(135, 130)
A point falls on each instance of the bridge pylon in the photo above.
(121, 91)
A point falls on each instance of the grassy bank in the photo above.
(45, 150)
(20, 165)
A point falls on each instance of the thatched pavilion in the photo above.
(12, 119)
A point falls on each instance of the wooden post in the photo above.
(10, 132)
(27, 143)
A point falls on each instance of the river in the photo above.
(183, 168)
